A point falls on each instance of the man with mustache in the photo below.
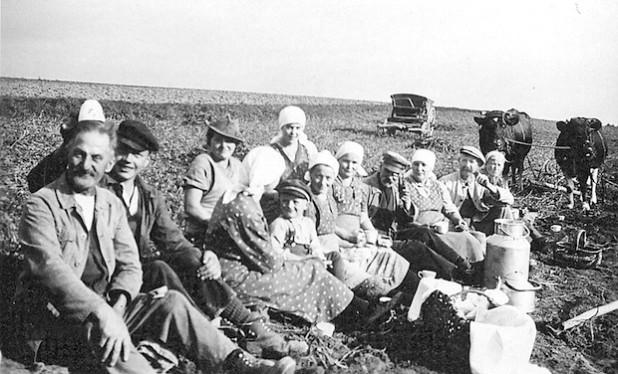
(79, 290)
(478, 200)
(54, 164)
(389, 203)
(168, 258)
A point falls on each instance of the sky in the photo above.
(553, 59)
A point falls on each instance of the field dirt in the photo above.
(31, 112)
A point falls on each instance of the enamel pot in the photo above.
(522, 294)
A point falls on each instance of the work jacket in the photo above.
(158, 236)
(55, 245)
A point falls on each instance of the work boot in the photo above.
(240, 362)
(262, 341)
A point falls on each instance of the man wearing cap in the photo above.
(162, 246)
(82, 277)
(210, 175)
(389, 201)
(477, 199)
(53, 165)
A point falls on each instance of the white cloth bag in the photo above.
(501, 341)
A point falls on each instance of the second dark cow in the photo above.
(509, 132)
(580, 151)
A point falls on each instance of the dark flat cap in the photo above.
(474, 152)
(296, 188)
(227, 127)
(395, 162)
(136, 135)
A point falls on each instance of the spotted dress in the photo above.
(431, 203)
(239, 234)
(382, 269)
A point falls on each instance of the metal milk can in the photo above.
(508, 251)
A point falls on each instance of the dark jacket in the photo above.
(158, 235)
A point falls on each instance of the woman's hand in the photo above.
(210, 269)
(461, 225)
(360, 238)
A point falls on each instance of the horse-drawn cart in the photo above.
(412, 113)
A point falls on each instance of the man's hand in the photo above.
(483, 180)
(211, 269)
(112, 334)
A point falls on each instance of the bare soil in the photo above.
(31, 112)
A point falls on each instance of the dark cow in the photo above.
(509, 132)
(580, 151)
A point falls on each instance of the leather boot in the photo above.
(262, 341)
(240, 362)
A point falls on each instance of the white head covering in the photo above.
(262, 166)
(292, 114)
(349, 147)
(91, 110)
(425, 156)
(324, 157)
(495, 154)
(354, 148)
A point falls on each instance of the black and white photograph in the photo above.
(310, 187)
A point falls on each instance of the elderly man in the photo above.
(163, 247)
(82, 275)
(53, 165)
(389, 200)
(478, 200)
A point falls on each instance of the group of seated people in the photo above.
(288, 228)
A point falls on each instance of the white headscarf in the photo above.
(324, 157)
(293, 114)
(425, 156)
(262, 166)
(353, 148)
(91, 110)
(349, 147)
(495, 154)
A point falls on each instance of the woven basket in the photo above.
(576, 255)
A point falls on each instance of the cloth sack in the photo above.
(501, 341)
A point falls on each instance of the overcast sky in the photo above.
(551, 58)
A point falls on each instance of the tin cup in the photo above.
(324, 328)
(427, 274)
(371, 236)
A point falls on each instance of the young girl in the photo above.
(294, 234)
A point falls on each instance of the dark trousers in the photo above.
(170, 320)
(179, 272)
(421, 257)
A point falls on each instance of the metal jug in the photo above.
(508, 251)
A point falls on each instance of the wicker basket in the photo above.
(576, 255)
